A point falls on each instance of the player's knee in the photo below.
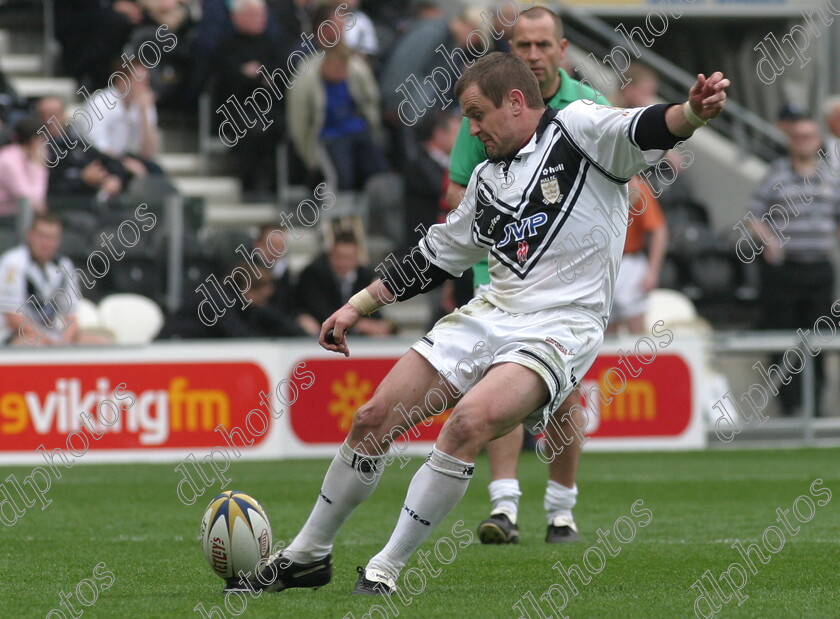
(369, 418)
(469, 425)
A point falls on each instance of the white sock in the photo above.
(437, 487)
(504, 497)
(559, 500)
(351, 478)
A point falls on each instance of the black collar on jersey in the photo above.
(545, 120)
(542, 125)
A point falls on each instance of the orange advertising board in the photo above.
(126, 405)
(655, 403)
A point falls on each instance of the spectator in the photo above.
(331, 279)
(236, 70)
(36, 295)
(797, 277)
(415, 54)
(425, 175)
(260, 318)
(172, 75)
(80, 173)
(92, 34)
(831, 117)
(174, 14)
(642, 91)
(216, 26)
(128, 132)
(272, 243)
(638, 272)
(789, 114)
(333, 116)
(13, 107)
(294, 17)
(23, 174)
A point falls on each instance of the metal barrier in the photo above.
(737, 344)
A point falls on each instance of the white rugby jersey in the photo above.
(554, 220)
(21, 279)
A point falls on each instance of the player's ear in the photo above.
(516, 100)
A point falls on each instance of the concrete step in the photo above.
(180, 164)
(238, 215)
(37, 87)
(21, 64)
(214, 189)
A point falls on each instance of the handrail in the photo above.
(736, 122)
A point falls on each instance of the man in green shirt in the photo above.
(537, 38)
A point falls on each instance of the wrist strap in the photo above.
(693, 119)
(364, 302)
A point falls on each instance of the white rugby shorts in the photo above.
(630, 300)
(559, 345)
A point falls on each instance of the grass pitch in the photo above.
(128, 516)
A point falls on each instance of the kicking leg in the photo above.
(354, 473)
(496, 405)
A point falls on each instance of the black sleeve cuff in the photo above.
(651, 131)
(406, 278)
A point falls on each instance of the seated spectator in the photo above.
(333, 116)
(424, 176)
(260, 318)
(13, 107)
(237, 74)
(84, 174)
(172, 76)
(92, 34)
(331, 279)
(272, 243)
(216, 26)
(37, 297)
(128, 131)
(23, 174)
(174, 14)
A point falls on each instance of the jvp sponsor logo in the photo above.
(163, 405)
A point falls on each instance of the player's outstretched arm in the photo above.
(335, 328)
(706, 100)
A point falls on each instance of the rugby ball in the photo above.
(235, 535)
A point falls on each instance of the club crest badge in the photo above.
(522, 251)
(550, 190)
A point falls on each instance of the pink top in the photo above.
(21, 178)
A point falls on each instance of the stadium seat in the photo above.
(87, 315)
(141, 275)
(132, 318)
(715, 274)
(671, 306)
